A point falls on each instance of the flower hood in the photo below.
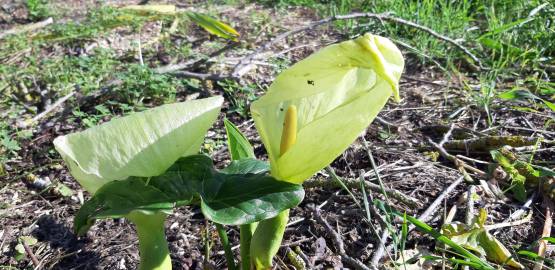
(337, 92)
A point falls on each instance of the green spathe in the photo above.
(337, 91)
(143, 144)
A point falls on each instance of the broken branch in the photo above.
(245, 64)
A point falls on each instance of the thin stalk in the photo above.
(246, 232)
(267, 240)
(207, 242)
(227, 248)
(339, 181)
(153, 247)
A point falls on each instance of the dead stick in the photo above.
(489, 142)
(426, 216)
(193, 64)
(51, 108)
(338, 243)
(244, 65)
(29, 252)
(542, 244)
(461, 165)
(470, 213)
(526, 219)
(380, 251)
(525, 207)
(355, 184)
(447, 135)
(201, 76)
(26, 28)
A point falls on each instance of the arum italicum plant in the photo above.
(314, 110)
(143, 165)
(143, 144)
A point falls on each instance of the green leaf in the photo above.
(549, 239)
(404, 231)
(437, 235)
(11, 145)
(479, 240)
(496, 251)
(517, 94)
(529, 254)
(142, 144)
(549, 104)
(20, 249)
(244, 199)
(525, 94)
(63, 190)
(214, 26)
(28, 240)
(225, 198)
(506, 27)
(244, 166)
(239, 146)
(446, 240)
(353, 79)
(517, 180)
(544, 171)
(19, 252)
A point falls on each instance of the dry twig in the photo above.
(355, 184)
(470, 213)
(29, 252)
(525, 207)
(201, 76)
(489, 142)
(427, 215)
(547, 226)
(338, 242)
(461, 165)
(26, 28)
(525, 220)
(48, 110)
(245, 65)
(193, 64)
(447, 135)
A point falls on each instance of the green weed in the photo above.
(38, 9)
(240, 96)
(98, 21)
(140, 84)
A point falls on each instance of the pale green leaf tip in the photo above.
(97, 155)
(388, 62)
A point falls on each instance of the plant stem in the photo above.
(153, 247)
(227, 248)
(246, 232)
(266, 241)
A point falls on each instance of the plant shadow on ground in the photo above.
(59, 236)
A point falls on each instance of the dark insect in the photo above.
(311, 82)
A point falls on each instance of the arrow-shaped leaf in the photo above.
(239, 146)
(214, 26)
(225, 198)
